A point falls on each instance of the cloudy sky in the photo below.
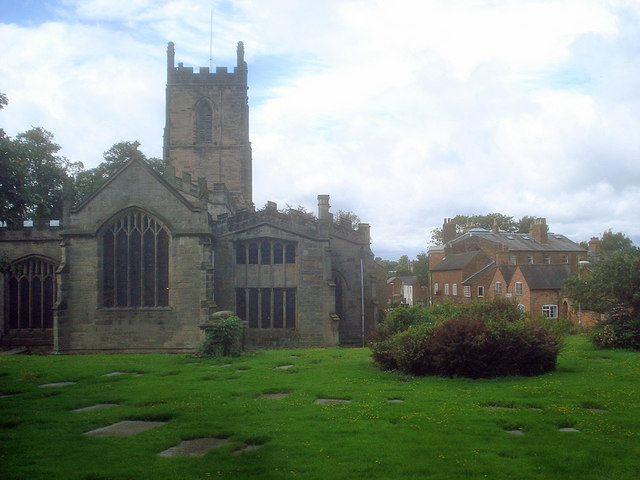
(404, 111)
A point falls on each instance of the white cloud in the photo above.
(406, 112)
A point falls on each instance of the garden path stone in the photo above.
(56, 384)
(193, 448)
(97, 406)
(331, 401)
(274, 396)
(247, 448)
(126, 428)
(284, 367)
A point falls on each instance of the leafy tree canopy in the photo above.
(611, 284)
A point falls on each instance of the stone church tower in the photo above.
(207, 127)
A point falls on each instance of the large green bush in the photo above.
(620, 330)
(478, 341)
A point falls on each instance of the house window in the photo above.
(446, 289)
(498, 288)
(518, 288)
(267, 307)
(253, 253)
(512, 259)
(565, 259)
(31, 294)
(265, 252)
(467, 291)
(204, 123)
(547, 259)
(435, 289)
(135, 262)
(454, 289)
(480, 291)
(530, 259)
(550, 311)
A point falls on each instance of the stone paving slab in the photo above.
(331, 401)
(56, 384)
(126, 428)
(274, 396)
(97, 406)
(193, 448)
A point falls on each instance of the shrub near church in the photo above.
(477, 340)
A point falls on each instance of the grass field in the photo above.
(442, 429)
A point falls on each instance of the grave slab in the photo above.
(515, 432)
(56, 384)
(284, 367)
(113, 374)
(97, 406)
(126, 428)
(247, 448)
(274, 396)
(568, 429)
(395, 400)
(193, 448)
(331, 401)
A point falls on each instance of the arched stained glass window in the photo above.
(135, 262)
(31, 295)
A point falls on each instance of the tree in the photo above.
(388, 265)
(421, 268)
(352, 217)
(87, 181)
(613, 284)
(32, 176)
(402, 269)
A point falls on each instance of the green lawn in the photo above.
(443, 428)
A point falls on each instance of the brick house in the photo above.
(146, 259)
(405, 290)
(483, 264)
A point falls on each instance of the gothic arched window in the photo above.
(204, 123)
(31, 294)
(135, 262)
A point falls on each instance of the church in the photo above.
(146, 259)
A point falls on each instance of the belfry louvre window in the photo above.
(30, 295)
(204, 123)
(135, 262)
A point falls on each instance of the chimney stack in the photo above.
(539, 230)
(448, 230)
(495, 228)
(323, 207)
(594, 245)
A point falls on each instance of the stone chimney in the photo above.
(448, 230)
(594, 245)
(539, 230)
(495, 228)
(323, 207)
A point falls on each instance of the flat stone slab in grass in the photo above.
(274, 396)
(515, 432)
(395, 400)
(97, 406)
(568, 429)
(56, 384)
(113, 374)
(331, 401)
(247, 448)
(126, 428)
(193, 448)
(497, 407)
(284, 367)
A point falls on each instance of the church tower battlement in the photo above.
(207, 125)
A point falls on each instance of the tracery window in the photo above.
(204, 123)
(267, 307)
(31, 295)
(135, 262)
